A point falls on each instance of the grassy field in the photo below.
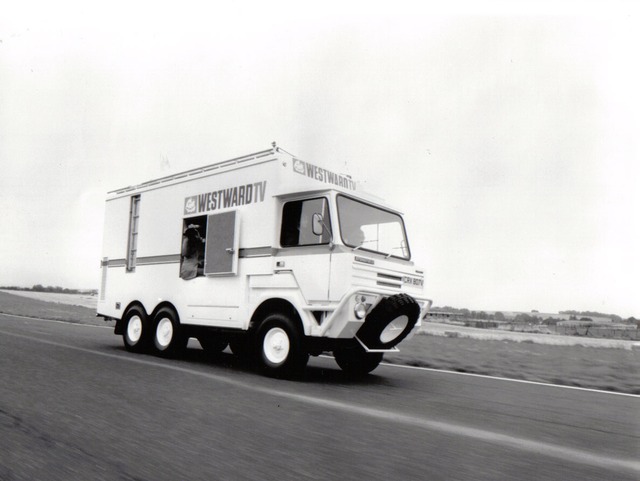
(84, 300)
(449, 330)
(22, 305)
(607, 367)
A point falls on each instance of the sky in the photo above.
(507, 132)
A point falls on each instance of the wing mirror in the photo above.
(318, 227)
(317, 224)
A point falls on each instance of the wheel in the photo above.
(136, 327)
(213, 345)
(279, 348)
(168, 339)
(389, 322)
(357, 362)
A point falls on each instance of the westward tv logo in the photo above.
(323, 175)
(225, 198)
(298, 166)
(190, 205)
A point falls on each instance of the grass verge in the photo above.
(603, 368)
(25, 306)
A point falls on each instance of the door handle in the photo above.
(230, 250)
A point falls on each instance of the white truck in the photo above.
(268, 254)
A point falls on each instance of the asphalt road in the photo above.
(74, 405)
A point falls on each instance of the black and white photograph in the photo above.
(320, 241)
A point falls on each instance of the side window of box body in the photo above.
(132, 243)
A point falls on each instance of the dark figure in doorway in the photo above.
(192, 261)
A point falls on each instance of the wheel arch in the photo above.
(280, 305)
(119, 329)
(168, 305)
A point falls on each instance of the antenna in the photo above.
(280, 149)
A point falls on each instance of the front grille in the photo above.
(388, 280)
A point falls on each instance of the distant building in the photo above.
(435, 315)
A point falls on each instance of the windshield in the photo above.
(363, 226)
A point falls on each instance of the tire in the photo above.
(389, 322)
(213, 345)
(357, 362)
(168, 339)
(279, 348)
(136, 332)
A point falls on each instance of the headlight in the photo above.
(363, 304)
(360, 310)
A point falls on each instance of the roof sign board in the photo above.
(323, 175)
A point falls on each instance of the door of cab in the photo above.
(304, 253)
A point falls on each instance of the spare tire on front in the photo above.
(389, 322)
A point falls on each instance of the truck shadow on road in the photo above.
(319, 371)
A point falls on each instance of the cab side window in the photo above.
(297, 218)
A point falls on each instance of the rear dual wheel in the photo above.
(136, 333)
(168, 339)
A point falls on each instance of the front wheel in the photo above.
(279, 348)
(357, 362)
(168, 339)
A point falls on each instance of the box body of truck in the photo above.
(276, 256)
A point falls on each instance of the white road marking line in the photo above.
(497, 378)
(511, 442)
(508, 379)
(57, 321)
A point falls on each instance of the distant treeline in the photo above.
(587, 313)
(533, 317)
(55, 289)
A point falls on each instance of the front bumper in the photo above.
(340, 321)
